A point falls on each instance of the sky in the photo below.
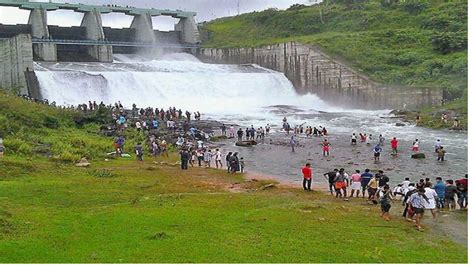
(206, 10)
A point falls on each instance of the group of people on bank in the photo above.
(416, 197)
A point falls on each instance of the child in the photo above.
(326, 145)
(385, 198)
(416, 146)
(242, 164)
(193, 158)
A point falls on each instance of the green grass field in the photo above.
(123, 211)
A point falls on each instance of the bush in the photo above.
(51, 122)
(18, 146)
(407, 59)
(446, 42)
(414, 7)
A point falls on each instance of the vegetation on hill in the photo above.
(422, 43)
(34, 129)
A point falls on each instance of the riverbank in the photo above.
(431, 117)
(125, 211)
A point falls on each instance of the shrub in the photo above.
(415, 7)
(446, 42)
(18, 146)
(51, 122)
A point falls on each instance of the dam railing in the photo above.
(114, 43)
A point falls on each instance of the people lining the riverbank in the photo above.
(194, 151)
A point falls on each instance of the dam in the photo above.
(20, 45)
(24, 47)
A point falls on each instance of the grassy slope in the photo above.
(392, 45)
(126, 211)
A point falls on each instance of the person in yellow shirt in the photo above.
(372, 188)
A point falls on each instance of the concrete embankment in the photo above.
(16, 57)
(313, 71)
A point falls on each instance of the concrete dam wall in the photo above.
(312, 71)
(16, 57)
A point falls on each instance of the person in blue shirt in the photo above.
(155, 124)
(377, 151)
(440, 188)
(366, 176)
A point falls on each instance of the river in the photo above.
(250, 95)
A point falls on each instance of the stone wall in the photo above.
(16, 57)
(312, 71)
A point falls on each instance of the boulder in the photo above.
(418, 156)
(246, 143)
(399, 124)
(83, 163)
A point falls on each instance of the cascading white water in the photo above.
(176, 80)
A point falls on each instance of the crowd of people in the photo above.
(416, 197)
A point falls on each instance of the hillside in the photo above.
(422, 44)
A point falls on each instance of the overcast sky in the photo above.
(206, 10)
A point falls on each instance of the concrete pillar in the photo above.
(16, 57)
(92, 21)
(39, 29)
(189, 30)
(143, 26)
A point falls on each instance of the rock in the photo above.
(418, 156)
(83, 163)
(268, 186)
(400, 124)
(246, 143)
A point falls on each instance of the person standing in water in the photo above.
(381, 140)
(437, 145)
(441, 152)
(377, 151)
(326, 145)
(353, 139)
(416, 146)
(394, 144)
(292, 143)
(240, 134)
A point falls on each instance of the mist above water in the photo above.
(179, 80)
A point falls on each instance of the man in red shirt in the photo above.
(307, 176)
(394, 144)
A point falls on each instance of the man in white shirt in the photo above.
(431, 195)
(218, 156)
(406, 183)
